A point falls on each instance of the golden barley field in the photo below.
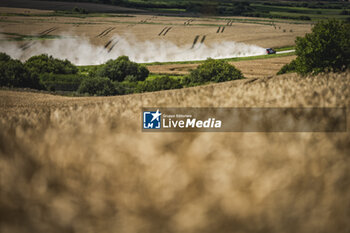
(83, 165)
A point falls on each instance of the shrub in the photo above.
(80, 10)
(327, 47)
(130, 78)
(97, 86)
(304, 17)
(158, 84)
(125, 87)
(345, 12)
(47, 64)
(4, 57)
(61, 82)
(214, 71)
(119, 69)
(14, 74)
(288, 68)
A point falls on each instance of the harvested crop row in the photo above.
(167, 31)
(108, 43)
(145, 20)
(104, 31)
(27, 45)
(48, 31)
(195, 41)
(164, 31)
(111, 48)
(188, 22)
(220, 29)
(160, 33)
(203, 39)
(107, 32)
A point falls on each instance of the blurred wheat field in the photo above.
(83, 164)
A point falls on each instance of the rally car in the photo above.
(270, 51)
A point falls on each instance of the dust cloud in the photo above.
(81, 51)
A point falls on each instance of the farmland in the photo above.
(33, 32)
(251, 68)
(304, 10)
(83, 165)
(266, 33)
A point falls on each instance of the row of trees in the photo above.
(104, 86)
(115, 77)
(122, 69)
(119, 79)
(14, 73)
(47, 73)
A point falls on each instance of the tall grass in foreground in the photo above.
(83, 165)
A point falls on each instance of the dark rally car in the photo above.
(270, 51)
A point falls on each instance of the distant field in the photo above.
(28, 29)
(32, 31)
(147, 27)
(60, 6)
(12, 10)
(313, 13)
(301, 10)
(257, 68)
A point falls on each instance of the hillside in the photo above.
(293, 10)
(83, 164)
(66, 5)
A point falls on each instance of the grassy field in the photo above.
(65, 6)
(83, 164)
(263, 9)
(314, 13)
(229, 59)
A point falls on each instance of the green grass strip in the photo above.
(279, 49)
(87, 68)
(234, 59)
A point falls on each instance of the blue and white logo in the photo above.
(151, 120)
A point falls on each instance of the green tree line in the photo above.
(115, 77)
